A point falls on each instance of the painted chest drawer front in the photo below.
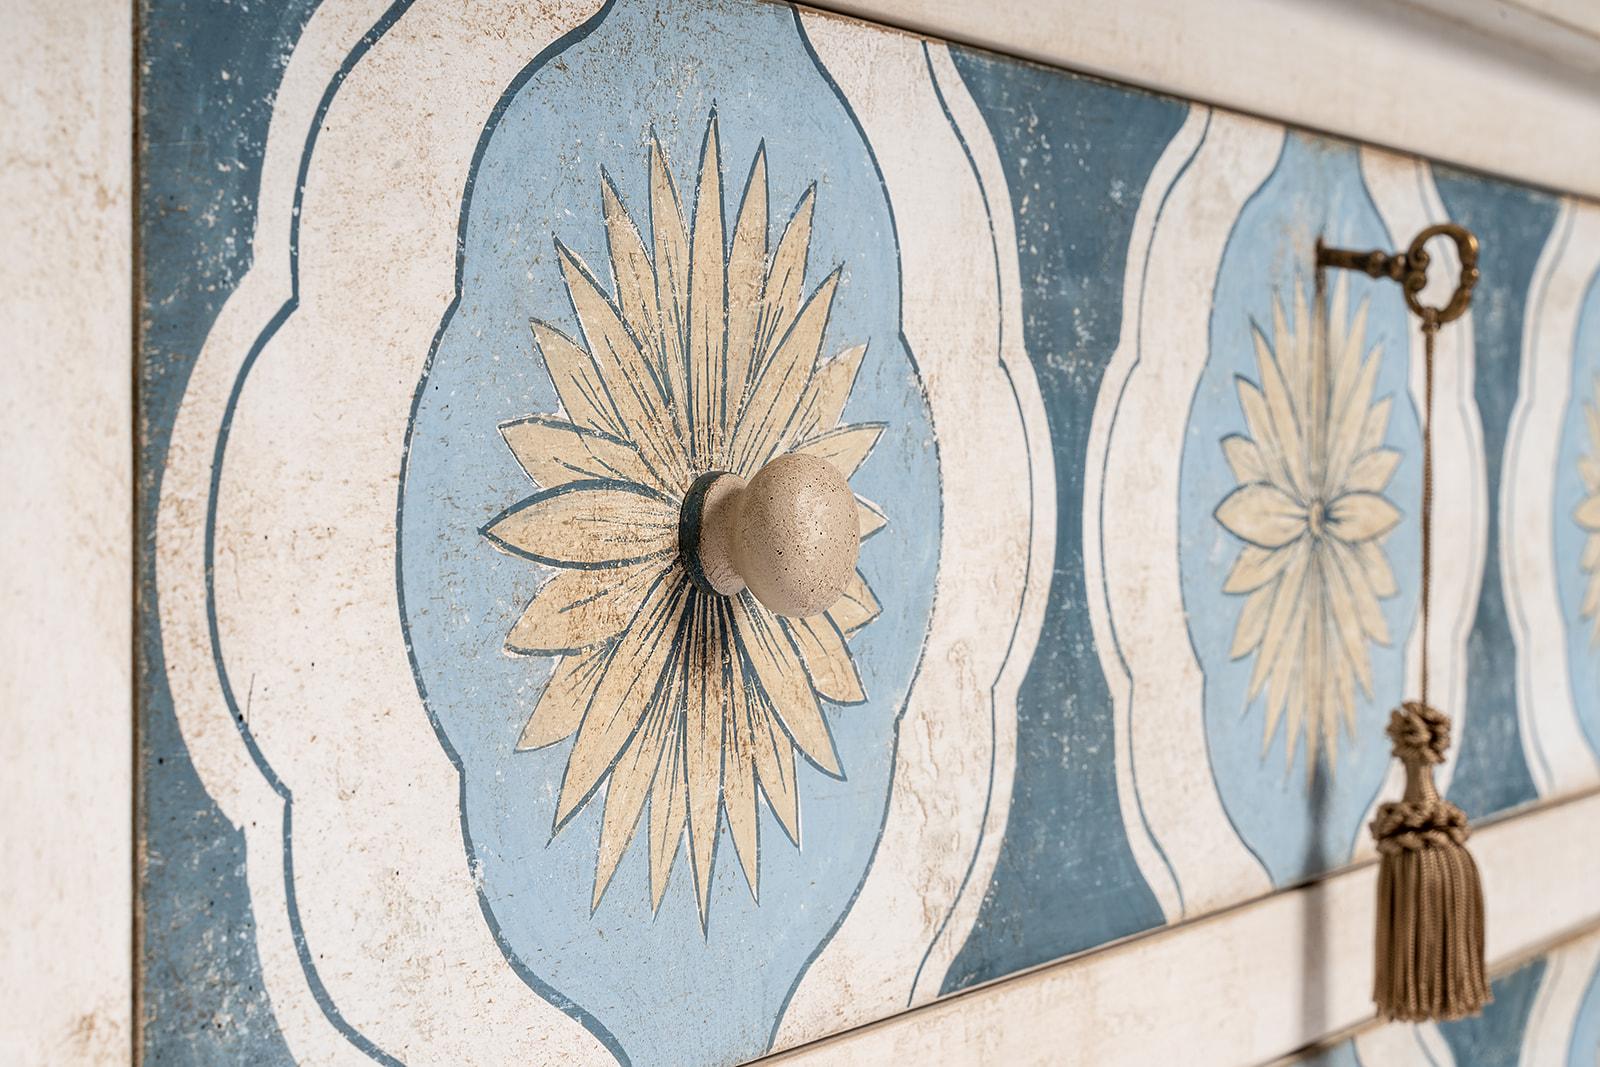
(448, 757)
(1546, 1011)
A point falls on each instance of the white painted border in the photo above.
(1163, 881)
(66, 575)
(1247, 985)
(1416, 76)
(956, 749)
(1554, 745)
(1131, 566)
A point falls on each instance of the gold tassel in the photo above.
(1429, 953)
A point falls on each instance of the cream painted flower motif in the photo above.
(704, 355)
(1311, 510)
(1588, 515)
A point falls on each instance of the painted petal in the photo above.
(1286, 426)
(630, 686)
(1331, 342)
(1259, 422)
(739, 788)
(1300, 367)
(566, 695)
(827, 393)
(1375, 427)
(625, 795)
(775, 771)
(671, 240)
(708, 309)
(872, 519)
(1589, 471)
(777, 668)
(1591, 554)
(1254, 568)
(780, 384)
(834, 382)
(555, 452)
(1343, 680)
(1244, 458)
(586, 524)
(827, 659)
(1344, 352)
(573, 373)
(579, 608)
(630, 263)
(1347, 425)
(855, 607)
(1345, 615)
(1252, 622)
(1357, 517)
(1591, 600)
(1280, 673)
(747, 276)
(1310, 708)
(1283, 617)
(669, 806)
(1374, 565)
(1588, 513)
(1373, 470)
(709, 684)
(786, 279)
(1356, 568)
(631, 381)
(1262, 514)
(847, 448)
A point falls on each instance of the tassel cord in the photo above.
(1430, 331)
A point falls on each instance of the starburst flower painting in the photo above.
(702, 352)
(1311, 511)
(1587, 517)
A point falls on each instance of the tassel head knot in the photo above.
(1421, 734)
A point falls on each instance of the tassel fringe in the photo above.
(1429, 951)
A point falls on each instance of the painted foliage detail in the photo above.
(1588, 515)
(1311, 509)
(705, 356)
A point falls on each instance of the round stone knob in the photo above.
(791, 536)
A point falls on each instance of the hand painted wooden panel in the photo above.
(1546, 1013)
(449, 756)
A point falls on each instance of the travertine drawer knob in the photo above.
(790, 535)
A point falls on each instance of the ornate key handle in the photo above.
(1410, 269)
(791, 535)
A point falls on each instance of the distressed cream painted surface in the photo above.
(1388, 73)
(65, 532)
(1258, 981)
(356, 821)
